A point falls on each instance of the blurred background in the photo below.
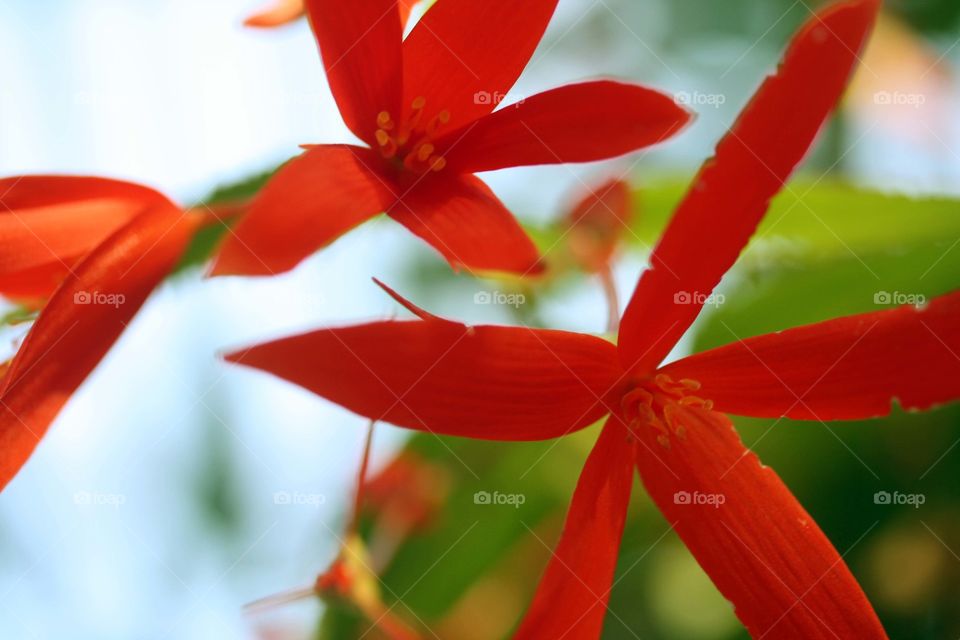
(173, 489)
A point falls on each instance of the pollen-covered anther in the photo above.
(634, 398)
(410, 140)
(388, 146)
(437, 122)
(694, 401)
(384, 121)
(671, 413)
(662, 403)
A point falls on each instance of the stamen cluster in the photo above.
(411, 141)
(657, 402)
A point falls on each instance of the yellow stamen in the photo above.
(438, 121)
(384, 121)
(388, 146)
(424, 152)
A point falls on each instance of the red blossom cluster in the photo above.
(423, 105)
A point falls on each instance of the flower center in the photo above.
(659, 403)
(411, 140)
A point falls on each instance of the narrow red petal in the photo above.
(35, 285)
(748, 532)
(575, 123)
(406, 6)
(495, 383)
(423, 314)
(282, 12)
(309, 203)
(844, 369)
(360, 46)
(82, 320)
(571, 600)
(276, 14)
(460, 217)
(733, 190)
(47, 223)
(463, 56)
(33, 192)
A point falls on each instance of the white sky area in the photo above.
(174, 93)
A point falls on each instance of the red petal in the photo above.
(360, 45)
(843, 369)
(748, 532)
(495, 383)
(423, 314)
(464, 55)
(309, 203)
(48, 222)
(276, 14)
(70, 336)
(405, 6)
(35, 285)
(282, 12)
(460, 217)
(571, 600)
(575, 123)
(733, 191)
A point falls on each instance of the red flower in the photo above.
(597, 222)
(595, 225)
(96, 248)
(749, 533)
(423, 105)
(281, 12)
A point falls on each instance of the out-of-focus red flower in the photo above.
(93, 250)
(424, 105)
(595, 226)
(761, 548)
(597, 222)
(407, 494)
(352, 579)
(281, 12)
